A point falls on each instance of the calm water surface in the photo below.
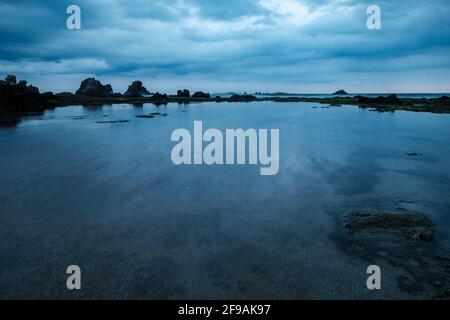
(107, 197)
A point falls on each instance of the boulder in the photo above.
(136, 89)
(183, 93)
(18, 97)
(94, 88)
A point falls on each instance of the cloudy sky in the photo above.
(299, 46)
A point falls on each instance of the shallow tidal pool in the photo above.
(96, 187)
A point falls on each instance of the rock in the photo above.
(402, 239)
(242, 98)
(136, 89)
(423, 234)
(64, 95)
(18, 97)
(48, 95)
(201, 95)
(413, 154)
(10, 79)
(145, 116)
(340, 92)
(160, 97)
(382, 101)
(94, 88)
(183, 93)
(113, 121)
(409, 225)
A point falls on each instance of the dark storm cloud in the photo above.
(227, 44)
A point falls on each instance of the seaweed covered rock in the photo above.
(94, 88)
(19, 97)
(401, 238)
(409, 225)
(136, 89)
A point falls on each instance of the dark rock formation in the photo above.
(94, 88)
(340, 92)
(160, 97)
(64, 95)
(10, 79)
(48, 95)
(18, 97)
(201, 95)
(391, 100)
(136, 89)
(183, 93)
(242, 98)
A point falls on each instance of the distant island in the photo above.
(17, 97)
(340, 92)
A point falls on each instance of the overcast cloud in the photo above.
(232, 45)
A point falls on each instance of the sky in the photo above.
(230, 45)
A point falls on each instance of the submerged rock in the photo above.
(409, 225)
(136, 89)
(144, 116)
(413, 154)
(94, 88)
(403, 240)
(113, 121)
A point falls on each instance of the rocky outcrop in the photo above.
(391, 100)
(19, 97)
(242, 98)
(340, 92)
(94, 88)
(65, 95)
(201, 95)
(160, 97)
(136, 89)
(183, 93)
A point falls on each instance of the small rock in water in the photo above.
(413, 154)
(423, 234)
(116, 121)
(145, 116)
